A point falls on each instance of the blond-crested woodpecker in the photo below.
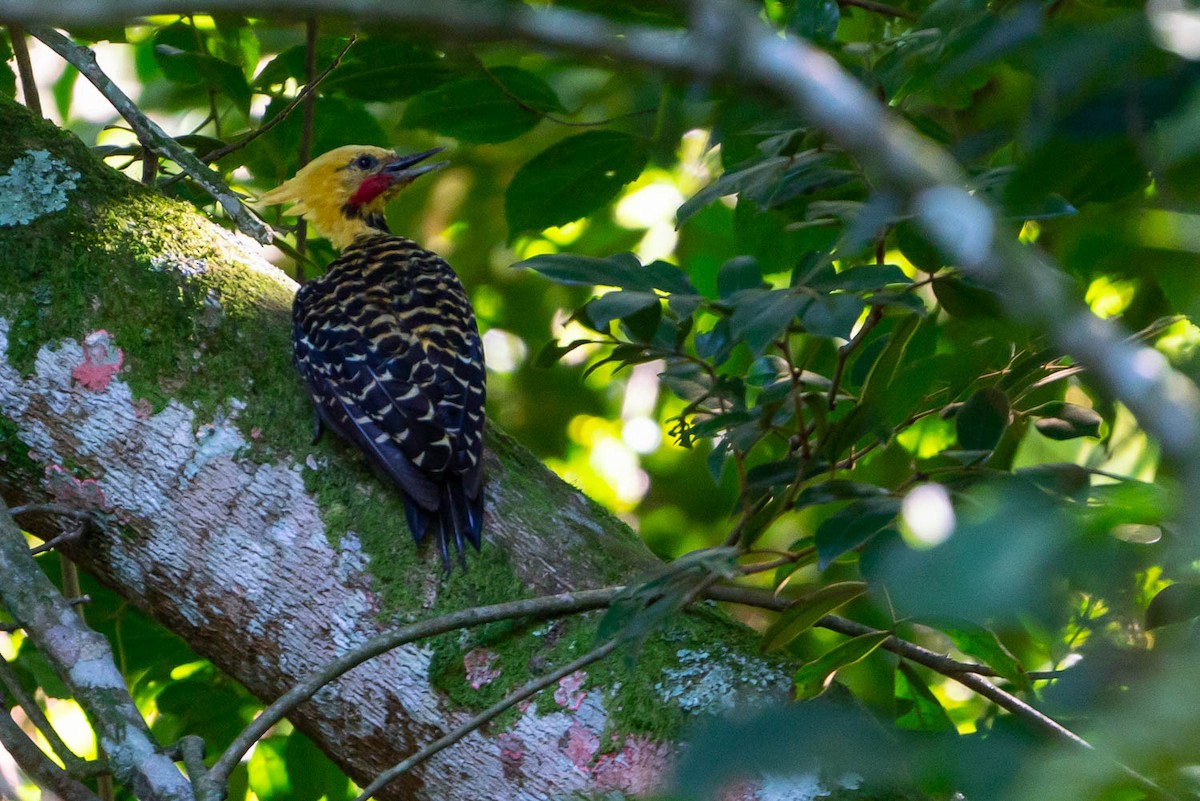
(387, 342)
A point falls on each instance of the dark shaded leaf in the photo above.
(853, 525)
(1177, 603)
(623, 271)
(483, 109)
(816, 20)
(737, 274)
(837, 490)
(982, 419)
(1060, 420)
(571, 179)
(386, 69)
(862, 278)
(760, 316)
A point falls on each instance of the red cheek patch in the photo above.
(370, 189)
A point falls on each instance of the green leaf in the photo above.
(812, 679)
(623, 271)
(806, 611)
(832, 316)
(1061, 421)
(619, 305)
(965, 300)
(917, 708)
(571, 179)
(837, 490)
(687, 380)
(311, 774)
(1177, 603)
(386, 69)
(982, 420)
(862, 278)
(816, 20)
(483, 109)
(268, 770)
(916, 248)
(760, 316)
(983, 644)
(190, 68)
(737, 274)
(852, 526)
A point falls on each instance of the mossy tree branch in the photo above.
(271, 556)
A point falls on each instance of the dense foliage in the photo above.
(702, 312)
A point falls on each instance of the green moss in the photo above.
(205, 331)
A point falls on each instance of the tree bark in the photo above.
(145, 374)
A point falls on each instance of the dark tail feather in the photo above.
(457, 518)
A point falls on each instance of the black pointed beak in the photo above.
(407, 168)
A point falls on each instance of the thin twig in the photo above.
(16, 692)
(72, 534)
(845, 350)
(99, 688)
(151, 135)
(306, 131)
(222, 152)
(528, 690)
(547, 115)
(548, 606)
(51, 509)
(40, 768)
(965, 674)
(29, 90)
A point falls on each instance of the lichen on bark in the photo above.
(238, 530)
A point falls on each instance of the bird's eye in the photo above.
(365, 162)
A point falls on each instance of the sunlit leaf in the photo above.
(806, 611)
(916, 706)
(812, 679)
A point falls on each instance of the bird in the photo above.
(388, 345)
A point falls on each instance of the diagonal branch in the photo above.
(84, 661)
(728, 40)
(152, 136)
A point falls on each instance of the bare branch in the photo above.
(531, 688)
(39, 766)
(547, 606)
(152, 136)
(731, 42)
(965, 674)
(29, 90)
(84, 661)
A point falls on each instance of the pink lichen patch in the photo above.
(101, 361)
(640, 768)
(512, 753)
(142, 409)
(579, 745)
(569, 692)
(740, 791)
(73, 492)
(479, 663)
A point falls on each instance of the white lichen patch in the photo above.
(708, 682)
(36, 184)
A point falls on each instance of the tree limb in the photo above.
(151, 135)
(728, 40)
(83, 659)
